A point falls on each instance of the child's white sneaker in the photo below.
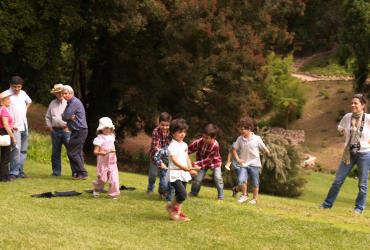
(96, 194)
(253, 202)
(243, 199)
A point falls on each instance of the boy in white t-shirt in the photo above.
(179, 168)
(246, 152)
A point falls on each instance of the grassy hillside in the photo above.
(137, 222)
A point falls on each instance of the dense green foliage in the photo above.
(356, 36)
(344, 25)
(203, 60)
(200, 59)
(282, 172)
(329, 64)
(284, 92)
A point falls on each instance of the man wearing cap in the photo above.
(75, 116)
(59, 131)
(20, 102)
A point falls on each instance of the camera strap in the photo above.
(361, 126)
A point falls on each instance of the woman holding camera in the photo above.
(356, 128)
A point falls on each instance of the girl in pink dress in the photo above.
(104, 149)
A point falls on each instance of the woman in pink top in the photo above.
(104, 149)
(6, 126)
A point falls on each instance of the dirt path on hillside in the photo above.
(306, 77)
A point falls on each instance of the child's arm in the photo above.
(175, 161)
(193, 147)
(264, 148)
(267, 151)
(97, 151)
(207, 162)
(156, 141)
(240, 161)
(158, 158)
(228, 161)
(157, 161)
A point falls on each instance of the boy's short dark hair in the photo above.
(246, 122)
(178, 125)
(211, 130)
(16, 80)
(165, 117)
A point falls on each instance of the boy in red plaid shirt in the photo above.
(207, 157)
(160, 139)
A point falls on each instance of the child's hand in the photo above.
(196, 167)
(163, 166)
(241, 162)
(227, 166)
(193, 172)
(103, 152)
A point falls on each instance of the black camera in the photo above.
(354, 148)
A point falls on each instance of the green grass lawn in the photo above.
(135, 221)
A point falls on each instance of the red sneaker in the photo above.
(169, 208)
(183, 217)
(174, 214)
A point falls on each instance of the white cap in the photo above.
(105, 122)
(5, 93)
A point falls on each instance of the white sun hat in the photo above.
(105, 122)
(5, 94)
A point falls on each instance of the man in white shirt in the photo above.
(20, 102)
(59, 131)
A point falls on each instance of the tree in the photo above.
(202, 60)
(356, 35)
(282, 173)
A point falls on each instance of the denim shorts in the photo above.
(236, 168)
(253, 172)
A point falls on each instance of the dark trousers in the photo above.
(4, 159)
(75, 152)
(180, 191)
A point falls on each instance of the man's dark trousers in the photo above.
(75, 152)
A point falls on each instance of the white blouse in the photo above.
(344, 127)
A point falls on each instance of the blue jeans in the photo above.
(19, 153)
(217, 177)
(362, 160)
(59, 137)
(164, 186)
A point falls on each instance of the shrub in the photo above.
(284, 92)
(282, 174)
